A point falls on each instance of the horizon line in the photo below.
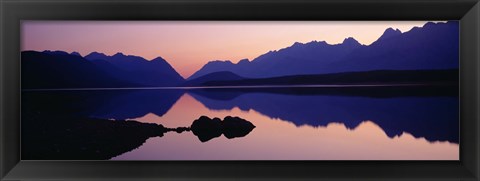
(229, 87)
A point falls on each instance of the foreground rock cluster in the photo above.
(74, 138)
(231, 127)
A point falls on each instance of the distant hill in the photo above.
(376, 77)
(433, 46)
(216, 76)
(156, 72)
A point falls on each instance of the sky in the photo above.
(188, 45)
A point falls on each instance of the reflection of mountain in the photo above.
(433, 46)
(430, 112)
(435, 118)
(104, 104)
(58, 125)
(348, 90)
(134, 104)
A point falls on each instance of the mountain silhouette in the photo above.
(390, 32)
(58, 69)
(62, 70)
(433, 46)
(57, 52)
(156, 72)
(294, 60)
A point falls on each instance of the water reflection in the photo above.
(278, 139)
(310, 124)
(133, 104)
(435, 118)
(81, 138)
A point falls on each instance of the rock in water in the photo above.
(231, 127)
(206, 129)
(234, 127)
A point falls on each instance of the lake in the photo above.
(307, 123)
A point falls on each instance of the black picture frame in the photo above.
(12, 12)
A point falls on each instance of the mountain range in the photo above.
(435, 46)
(58, 69)
(62, 70)
(155, 72)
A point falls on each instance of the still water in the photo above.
(290, 124)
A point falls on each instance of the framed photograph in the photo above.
(295, 90)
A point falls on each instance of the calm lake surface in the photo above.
(386, 123)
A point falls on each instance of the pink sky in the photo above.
(188, 45)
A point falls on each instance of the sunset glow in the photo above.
(188, 45)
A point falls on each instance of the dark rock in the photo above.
(234, 127)
(206, 129)
(181, 129)
(231, 127)
(68, 138)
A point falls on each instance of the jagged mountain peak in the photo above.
(119, 54)
(244, 61)
(219, 62)
(56, 52)
(75, 53)
(390, 32)
(393, 50)
(350, 41)
(95, 54)
(296, 44)
(159, 58)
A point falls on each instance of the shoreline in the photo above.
(240, 87)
